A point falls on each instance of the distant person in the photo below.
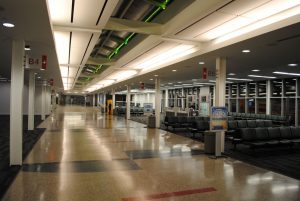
(109, 109)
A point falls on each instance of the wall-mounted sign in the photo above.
(218, 119)
(142, 86)
(204, 73)
(36, 62)
(148, 107)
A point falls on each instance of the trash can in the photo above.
(209, 142)
(151, 121)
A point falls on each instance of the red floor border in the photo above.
(170, 194)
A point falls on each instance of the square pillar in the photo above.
(220, 100)
(157, 103)
(268, 97)
(113, 99)
(128, 103)
(16, 103)
(31, 98)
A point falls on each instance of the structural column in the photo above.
(94, 100)
(282, 97)
(296, 102)
(246, 98)
(237, 98)
(167, 98)
(128, 103)
(53, 100)
(256, 95)
(229, 98)
(220, 100)
(31, 95)
(44, 105)
(157, 103)
(113, 99)
(268, 97)
(16, 102)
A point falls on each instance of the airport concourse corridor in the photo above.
(85, 155)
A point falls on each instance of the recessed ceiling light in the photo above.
(42, 69)
(246, 51)
(231, 74)
(262, 76)
(174, 70)
(170, 83)
(255, 70)
(179, 82)
(293, 65)
(201, 62)
(9, 25)
(155, 75)
(27, 48)
(39, 77)
(151, 79)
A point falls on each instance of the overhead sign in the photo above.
(206, 73)
(218, 119)
(142, 85)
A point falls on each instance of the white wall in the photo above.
(5, 99)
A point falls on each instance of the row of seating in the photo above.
(274, 118)
(183, 121)
(236, 124)
(134, 111)
(262, 137)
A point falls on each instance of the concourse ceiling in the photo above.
(103, 45)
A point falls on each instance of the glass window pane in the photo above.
(241, 105)
(289, 109)
(262, 88)
(252, 89)
(234, 90)
(276, 106)
(261, 106)
(242, 90)
(233, 105)
(251, 105)
(290, 87)
(276, 88)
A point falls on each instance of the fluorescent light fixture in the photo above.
(262, 76)
(264, 15)
(170, 83)
(174, 70)
(255, 70)
(293, 65)
(187, 84)
(246, 51)
(62, 41)
(286, 73)
(238, 79)
(121, 75)
(165, 57)
(179, 82)
(155, 75)
(201, 63)
(151, 79)
(176, 85)
(231, 74)
(212, 80)
(8, 25)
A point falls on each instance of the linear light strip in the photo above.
(262, 76)
(286, 73)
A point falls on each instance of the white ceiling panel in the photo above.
(241, 6)
(60, 11)
(87, 12)
(206, 24)
(78, 46)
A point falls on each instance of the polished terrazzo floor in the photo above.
(84, 155)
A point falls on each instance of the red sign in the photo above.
(142, 85)
(44, 62)
(51, 82)
(204, 73)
